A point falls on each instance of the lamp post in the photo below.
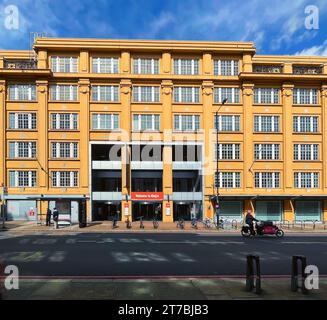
(217, 160)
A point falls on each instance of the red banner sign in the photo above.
(147, 196)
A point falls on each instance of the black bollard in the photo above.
(253, 277)
(295, 274)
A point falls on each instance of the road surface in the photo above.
(155, 254)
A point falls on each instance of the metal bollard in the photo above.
(253, 279)
(295, 274)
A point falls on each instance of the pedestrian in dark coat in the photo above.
(48, 219)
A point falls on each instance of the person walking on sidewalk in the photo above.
(55, 217)
(48, 219)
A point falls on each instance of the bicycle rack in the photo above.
(295, 274)
(314, 224)
(253, 280)
(310, 221)
(301, 223)
(284, 223)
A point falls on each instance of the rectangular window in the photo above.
(227, 123)
(22, 179)
(63, 92)
(266, 123)
(187, 94)
(186, 66)
(146, 94)
(64, 150)
(143, 122)
(105, 65)
(102, 121)
(228, 179)
(305, 124)
(145, 66)
(22, 92)
(266, 151)
(105, 93)
(268, 180)
(266, 95)
(221, 93)
(306, 152)
(226, 67)
(64, 179)
(308, 180)
(227, 151)
(64, 121)
(22, 121)
(186, 122)
(305, 96)
(22, 149)
(64, 64)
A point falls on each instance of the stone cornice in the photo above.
(146, 45)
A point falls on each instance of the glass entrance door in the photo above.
(106, 211)
(182, 211)
(147, 210)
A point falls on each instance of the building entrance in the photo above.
(186, 211)
(148, 210)
(106, 210)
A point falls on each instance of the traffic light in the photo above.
(214, 199)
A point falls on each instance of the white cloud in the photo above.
(161, 22)
(320, 50)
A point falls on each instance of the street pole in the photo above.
(3, 207)
(217, 161)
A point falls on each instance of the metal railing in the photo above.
(20, 64)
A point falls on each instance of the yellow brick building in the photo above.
(76, 114)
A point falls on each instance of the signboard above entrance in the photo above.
(147, 196)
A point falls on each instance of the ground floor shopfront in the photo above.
(29, 208)
(276, 210)
(34, 208)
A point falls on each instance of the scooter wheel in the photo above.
(280, 233)
(245, 234)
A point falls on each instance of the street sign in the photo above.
(126, 209)
(167, 209)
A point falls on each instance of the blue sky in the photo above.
(276, 26)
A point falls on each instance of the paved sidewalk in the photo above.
(153, 289)
(106, 226)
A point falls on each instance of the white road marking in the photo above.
(7, 236)
(182, 257)
(304, 242)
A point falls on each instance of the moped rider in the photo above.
(249, 219)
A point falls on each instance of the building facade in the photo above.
(127, 128)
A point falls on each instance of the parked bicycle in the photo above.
(220, 224)
(180, 224)
(194, 223)
(208, 223)
(114, 223)
(155, 221)
(128, 224)
(141, 222)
